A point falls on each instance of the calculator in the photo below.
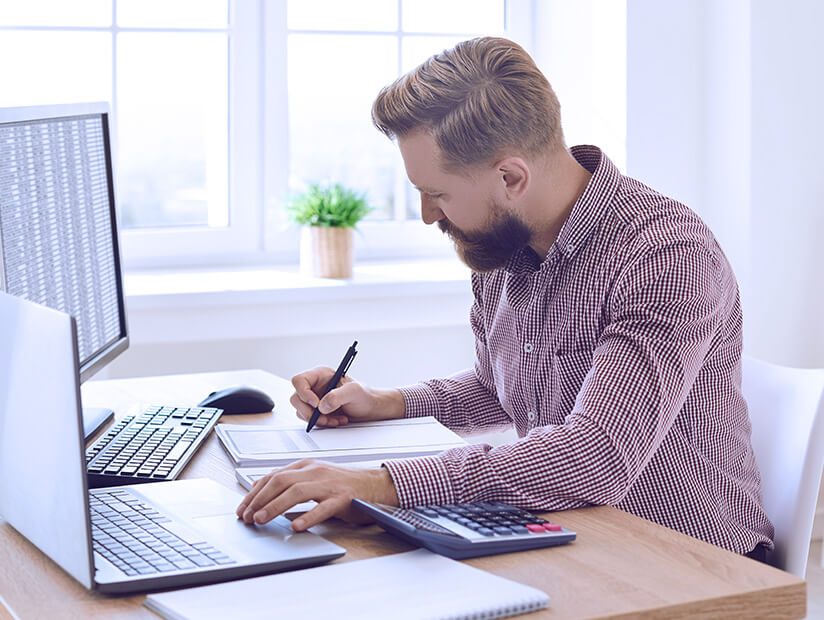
(468, 530)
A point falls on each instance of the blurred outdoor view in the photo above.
(164, 67)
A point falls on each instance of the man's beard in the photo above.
(492, 248)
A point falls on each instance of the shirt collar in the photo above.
(593, 203)
(586, 213)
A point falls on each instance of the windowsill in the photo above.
(256, 302)
(181, 287)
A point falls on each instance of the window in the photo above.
(164, 67)
(338, 56)
(224, 108)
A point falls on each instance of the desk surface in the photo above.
(620, 565)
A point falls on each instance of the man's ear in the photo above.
(515, 176)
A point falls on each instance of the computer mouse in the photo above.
(239, 399)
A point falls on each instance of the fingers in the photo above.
(307, 384)
(324, 510)
(260, 483)
(340, 397)
(303, 410)
(331, 487)
(294, 494)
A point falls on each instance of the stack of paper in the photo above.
(259, 446)
(417, 584)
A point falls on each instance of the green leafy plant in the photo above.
(332, 205)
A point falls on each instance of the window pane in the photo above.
(55, 13)
(172, 13)
(55, 67)
(338, 15)
(333, 80)
(459, 16)
(417, 48)
(173, 129)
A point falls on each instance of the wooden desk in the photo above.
(621, 566)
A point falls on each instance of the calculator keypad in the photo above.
(490, 518)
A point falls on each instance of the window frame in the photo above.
(387, 239)
(240, 241)
(258, 157)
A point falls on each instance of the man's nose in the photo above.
(429, 212)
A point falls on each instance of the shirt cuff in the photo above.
(420, 401)
(421, 481)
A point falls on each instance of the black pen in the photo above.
(333, 383)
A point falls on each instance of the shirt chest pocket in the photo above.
(567, 376)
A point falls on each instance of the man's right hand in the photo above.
(349, 402)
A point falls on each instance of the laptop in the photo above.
(116, 539)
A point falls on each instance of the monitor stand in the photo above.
(94, 418)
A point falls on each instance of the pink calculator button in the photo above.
(535, 527)
(552, 527)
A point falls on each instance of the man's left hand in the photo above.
(332, 487)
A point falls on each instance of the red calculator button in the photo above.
(535, 527)
(552, 527)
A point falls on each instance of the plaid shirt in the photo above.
(618, 360)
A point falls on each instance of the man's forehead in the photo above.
(421, 158)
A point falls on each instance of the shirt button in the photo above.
(531, 416)
(571, 247)
(528, 347)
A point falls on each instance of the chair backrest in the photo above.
(786, 407)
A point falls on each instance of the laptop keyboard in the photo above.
(134, 537)
(151, 447)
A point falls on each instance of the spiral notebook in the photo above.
(417, 584)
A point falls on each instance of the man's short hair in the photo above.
(477, 99)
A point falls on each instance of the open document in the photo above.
(259, 446)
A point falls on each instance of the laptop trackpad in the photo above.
(257, 541)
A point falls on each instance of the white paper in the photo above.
(254, 440)
(249, 445)
(417, 584)
(384, 437)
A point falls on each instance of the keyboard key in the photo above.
(202, 561)
(535, 527)
(552, 527)
(164, 567)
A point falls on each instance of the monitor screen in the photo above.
(58, 227)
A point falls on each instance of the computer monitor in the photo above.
(58, 226)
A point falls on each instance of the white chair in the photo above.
(786, 408)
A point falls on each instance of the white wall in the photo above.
(581, 48)
(385, 357)
(787, 221)
(723, 113)
(411, 321)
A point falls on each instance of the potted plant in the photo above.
(328, 214)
